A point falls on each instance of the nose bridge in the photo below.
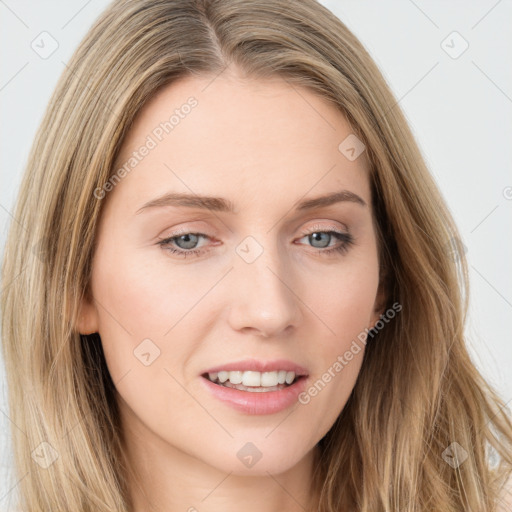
(262, 292)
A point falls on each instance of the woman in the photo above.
(261, 369)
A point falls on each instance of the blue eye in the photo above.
(185, 244)
(187, 239)
(345, 239)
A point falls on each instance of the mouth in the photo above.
(254, 381)
(256, 386)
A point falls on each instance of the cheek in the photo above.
(344, 298)
(344, 305)
(146, 315)
(137, 305)
(143, 299)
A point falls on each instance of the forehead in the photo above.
(245, 139)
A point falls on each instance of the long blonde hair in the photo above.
(418, 392)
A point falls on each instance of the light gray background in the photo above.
(460, 110)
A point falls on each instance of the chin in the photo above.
(257, 457)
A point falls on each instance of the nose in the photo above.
(264, 297)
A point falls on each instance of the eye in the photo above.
(185, 244)
(323, 238)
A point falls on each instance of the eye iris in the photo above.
(317, 236)
(189, 244)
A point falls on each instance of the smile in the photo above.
(253, 381)
(260, 400)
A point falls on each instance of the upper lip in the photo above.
(260, 366)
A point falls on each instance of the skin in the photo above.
(264, 145)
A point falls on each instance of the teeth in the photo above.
(253, 379)
(236, 377)
(290, 376)
(270, 379)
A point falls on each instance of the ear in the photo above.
(87, 322)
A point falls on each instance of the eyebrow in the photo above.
(219, 204)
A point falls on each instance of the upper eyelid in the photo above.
(310, 229)
(319, 227)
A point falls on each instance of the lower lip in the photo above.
(266, 402)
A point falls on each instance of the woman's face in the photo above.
(248, 281)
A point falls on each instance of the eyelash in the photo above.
(346, 239)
